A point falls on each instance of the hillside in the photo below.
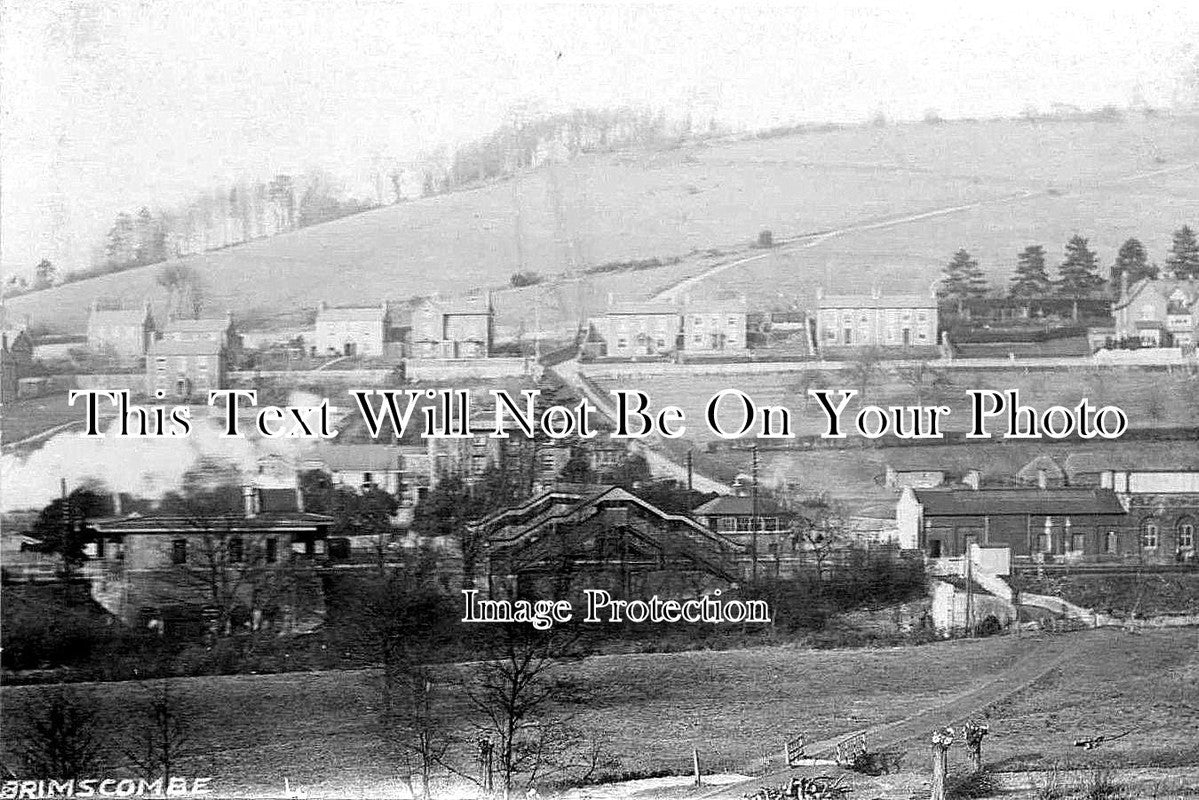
(995, 186)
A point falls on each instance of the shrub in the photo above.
(1101, 783)
(766, 239)
(526, 278)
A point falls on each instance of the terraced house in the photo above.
(1033, 524)
(627, 330)
(859, 321)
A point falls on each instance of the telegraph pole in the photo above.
(689, 474)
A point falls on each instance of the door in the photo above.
(934, 548)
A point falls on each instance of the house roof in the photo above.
(728, 505)
(209, 325)
(170, 347)
(357, 457)
(173, 523)
(459, 306)
(1017, 502)
(1163, 288)
(872, 301)
(351, 314)
(644, 309)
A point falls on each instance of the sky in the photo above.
(109, 105)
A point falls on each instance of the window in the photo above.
(179, 551)
(161, 364)
(1044, 543)
(1149, 534)
(237, 550)
(339, 549)
(1113, 543)
(733, 321)
(1078, 543)
(368, 480)
(272, 551)
(1186, 533)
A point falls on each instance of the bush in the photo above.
(526, 278)
(766, 239)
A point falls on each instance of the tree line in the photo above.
(254, 209)
(1078, 274)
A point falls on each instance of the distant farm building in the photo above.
(358, 331)
(715, 327)
(124, 333)
(461, 328)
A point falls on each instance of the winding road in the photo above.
(1054, 652)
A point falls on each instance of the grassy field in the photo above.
(318, 730)
(685, 201)
(1150, 399)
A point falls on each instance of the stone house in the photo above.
(1158, 312)
(126, 333)
(875, 320)
(153, 569)
(461, 328)
(185, 370)
(628, 330)
(358, 331)
(719, 326)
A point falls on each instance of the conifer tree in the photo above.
(1031, 279)
(962, 280)
(1184, 254)
(1079, 272)
(1133, 261)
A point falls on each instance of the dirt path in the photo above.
(812, 240)
(1052, 653)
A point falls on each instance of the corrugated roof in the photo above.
(1017, 502)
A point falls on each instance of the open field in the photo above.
(1149, 398)
(319, 729)
(680, 202)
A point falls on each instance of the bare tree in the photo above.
(162, 741)
(865, 370)
(921, 377)
(514, 690)
(412, 724)
(185, 288)
(234, 569)
(59, 736)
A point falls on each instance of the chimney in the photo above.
(299, 499)
(249, 497)
(1042, 479)
(973, 479)
(117, 509)
(875, 293)
(819, 292)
